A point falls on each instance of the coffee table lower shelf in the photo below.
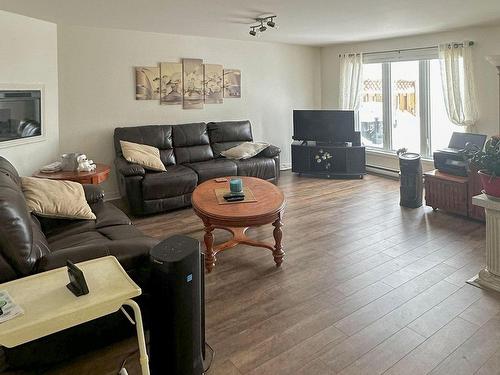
(240, 237)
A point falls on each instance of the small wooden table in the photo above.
(100, 174)
(50, 307)
(238, 217)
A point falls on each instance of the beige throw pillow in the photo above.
(58, 199)
(144, 155)
(245, 150)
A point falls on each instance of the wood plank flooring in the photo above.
(367, 287)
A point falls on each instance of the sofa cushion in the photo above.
(227, 134)
(177, 180)
(159, 136)
(256, 167)
(191, 143)
(92, 237)
(213, 169)
(146, 156)
(246, 150)
(53, 198)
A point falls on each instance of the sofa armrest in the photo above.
(93, 193)
(128, 169)
(270, 152)
(75, 254)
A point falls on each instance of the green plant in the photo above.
(488, 159)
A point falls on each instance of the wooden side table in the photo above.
(49, 306)
(446, 191)
(453, 193)
(100, 174)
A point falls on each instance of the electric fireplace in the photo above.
(20, 114)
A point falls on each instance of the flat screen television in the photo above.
(328, 126)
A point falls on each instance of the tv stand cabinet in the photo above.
(345, 161)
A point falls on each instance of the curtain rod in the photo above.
(404, 49)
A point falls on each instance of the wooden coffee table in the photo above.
(238, 217)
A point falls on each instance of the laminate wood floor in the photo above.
(367, 287)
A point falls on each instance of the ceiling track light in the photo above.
(261, 26)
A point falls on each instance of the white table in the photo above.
(489, 277)
(49, 306)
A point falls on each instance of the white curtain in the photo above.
(457, 77)
(351, 77)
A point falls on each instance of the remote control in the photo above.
(234, 195)
(235, 199)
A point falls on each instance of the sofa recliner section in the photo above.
(191, 154)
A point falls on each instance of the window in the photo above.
(402, 103)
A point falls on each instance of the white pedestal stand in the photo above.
(489, 277)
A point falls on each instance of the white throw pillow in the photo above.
(58, 199)
(144, 155)
(245, 150)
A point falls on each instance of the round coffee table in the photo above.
(238, 217)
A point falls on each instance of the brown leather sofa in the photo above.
(30, 244)
(191, 154)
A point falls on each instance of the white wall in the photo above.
(28, 55)
(486, 42)
(97, 89)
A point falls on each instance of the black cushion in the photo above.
(256, 167)
(177, 180)
(159, 136)
(228, 134)
(190, 134)
(213, 168)
(230, 131)
(191, 143)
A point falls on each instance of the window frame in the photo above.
(423, 56)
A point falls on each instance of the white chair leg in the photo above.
(144, 360)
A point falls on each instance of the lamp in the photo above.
(495, 61)
(262, 22)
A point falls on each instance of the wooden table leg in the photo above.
(209, 248)
(278, 252)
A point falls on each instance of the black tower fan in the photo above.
(177, 326)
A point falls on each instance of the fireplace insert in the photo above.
(20, 114)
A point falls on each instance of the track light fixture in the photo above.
(261, 26)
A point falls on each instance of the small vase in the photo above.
(491, 184)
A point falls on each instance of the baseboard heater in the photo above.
(386, 172)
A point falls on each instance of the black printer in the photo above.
(449, 160)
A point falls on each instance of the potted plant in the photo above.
(488, 163)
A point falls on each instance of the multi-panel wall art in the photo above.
(147, 83)
(190, 83)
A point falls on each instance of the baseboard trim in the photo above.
(285, 166)
(385, 172)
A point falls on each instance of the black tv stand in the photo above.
(336, 161)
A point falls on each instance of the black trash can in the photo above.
(411, 178)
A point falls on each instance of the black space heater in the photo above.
(177, 334)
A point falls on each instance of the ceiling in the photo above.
(310, 22)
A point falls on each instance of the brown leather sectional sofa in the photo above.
(191, 154)
(31, 244)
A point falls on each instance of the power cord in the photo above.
(123, 370)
